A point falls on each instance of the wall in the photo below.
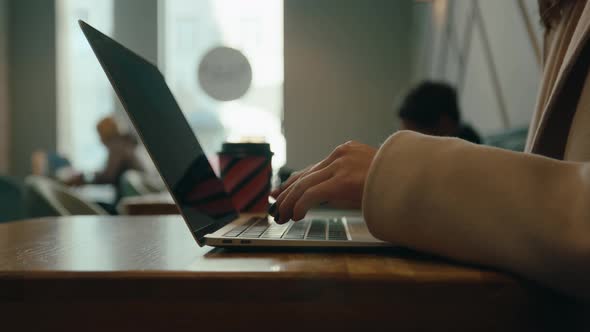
(489, 49)
(4, 118)
(136, 26)
(32, 77)
(346, 62)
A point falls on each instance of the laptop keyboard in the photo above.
(332, 229)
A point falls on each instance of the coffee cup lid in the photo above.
(258, 149)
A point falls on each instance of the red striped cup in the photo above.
(246, 173)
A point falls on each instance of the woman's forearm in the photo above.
(520, 212)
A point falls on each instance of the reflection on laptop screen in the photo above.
(166, 135)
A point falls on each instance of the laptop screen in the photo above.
(166, 135)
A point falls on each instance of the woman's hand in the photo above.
(338, 180)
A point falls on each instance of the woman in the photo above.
(524, 212)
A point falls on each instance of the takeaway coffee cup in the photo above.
(246, 172)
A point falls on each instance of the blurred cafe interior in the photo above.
(83, 202)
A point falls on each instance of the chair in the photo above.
(46, 198)
(512, 139)
(11, 200)
(135, 183)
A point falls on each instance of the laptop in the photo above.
(200, 195)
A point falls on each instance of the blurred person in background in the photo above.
(432, 108)
(122, 155)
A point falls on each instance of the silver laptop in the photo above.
(180, 160)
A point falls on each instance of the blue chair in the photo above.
(11, 200)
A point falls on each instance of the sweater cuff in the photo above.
(380, 179)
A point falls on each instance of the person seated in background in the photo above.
(431, 108)
(122, 155)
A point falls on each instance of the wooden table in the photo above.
(148, 205)
(147, 273)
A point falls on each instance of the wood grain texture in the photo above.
(105, 273)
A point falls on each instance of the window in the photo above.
(189, 30)
(84, 93)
